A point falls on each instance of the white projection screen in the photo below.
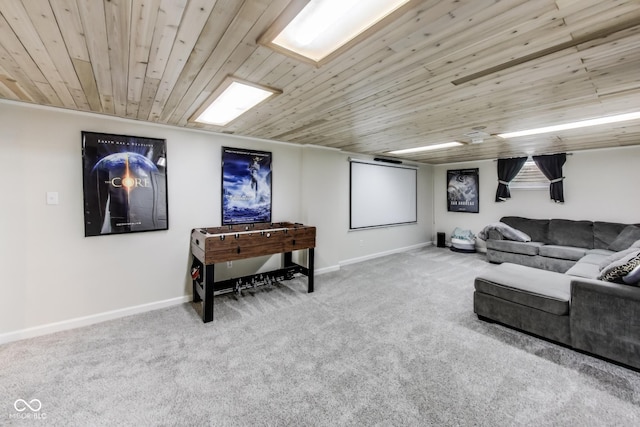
(382, 194)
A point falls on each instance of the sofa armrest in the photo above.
(602, 289)
(605, 320)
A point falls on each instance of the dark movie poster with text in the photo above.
(246, 186)
(125, 184)
(463, 190)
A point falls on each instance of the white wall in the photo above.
(325, 203)
(49, 272)
(599, 186)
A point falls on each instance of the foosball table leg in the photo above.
(207, 302)
(196, 296)
(310, 255)
(288, 259)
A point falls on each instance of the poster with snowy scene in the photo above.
(246, 186)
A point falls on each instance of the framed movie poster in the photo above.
(246, 186)
(463, 190)
(125, 184)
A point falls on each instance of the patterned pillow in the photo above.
(615, 271)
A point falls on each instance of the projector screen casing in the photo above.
(381, 195)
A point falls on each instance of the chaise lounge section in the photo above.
(594, 307)
(597, 317)
(529, 299)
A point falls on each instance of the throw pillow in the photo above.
(628, 236)
(632, 278)
(514, 234)
(615, 257)
(615, 271)
(507, 232)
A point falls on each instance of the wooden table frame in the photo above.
(217, 245)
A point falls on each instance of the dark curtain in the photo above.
(507, 170)
(551, 167)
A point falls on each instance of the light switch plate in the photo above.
(52, 197)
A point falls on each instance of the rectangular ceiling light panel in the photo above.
(323, 26)
(427, 148)
(573, 125)
(232, 99)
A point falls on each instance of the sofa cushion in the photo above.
(604, 233)
(537, 229)
(593, 258)
(626, 238)
(562, 252)
(605, 252)
(525, 248)
(543, 290)
(615, 271)
(615, 257)
(564, 232)
(556, 264)
(499, 257)
(584, 269)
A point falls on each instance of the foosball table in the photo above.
(213, 245)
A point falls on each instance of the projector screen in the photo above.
(382, 194)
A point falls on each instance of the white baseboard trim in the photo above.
(326, 270)
(79, 322)
(385, 253)
(89, 320)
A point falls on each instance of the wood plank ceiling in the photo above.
(158, 60)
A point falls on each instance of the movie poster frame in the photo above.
(229, 189)
(96, 146)
(454, 205)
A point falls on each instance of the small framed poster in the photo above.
(463, 194)
(125, 184)
(246, 186)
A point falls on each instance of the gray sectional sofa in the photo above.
(557, 286)
(556, 244)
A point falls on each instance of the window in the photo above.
(530, 178)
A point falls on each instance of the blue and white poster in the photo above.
(125, 184)
(246, 186)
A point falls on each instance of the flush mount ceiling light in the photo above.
(230, 100)
(317, 30)
(427, 148)
(573, 125)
